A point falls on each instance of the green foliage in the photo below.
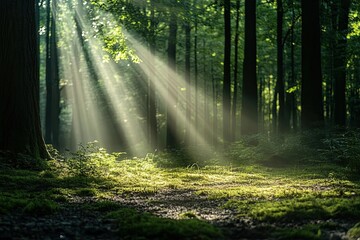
(189, 157)
(146, 226)
(90, 160)
(344, 148)
(270, 151)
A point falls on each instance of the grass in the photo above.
(271, 184)
(147, 226)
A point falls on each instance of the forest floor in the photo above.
(145, 199)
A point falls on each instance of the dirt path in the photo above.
(73, 222)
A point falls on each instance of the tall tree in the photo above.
(236, 70)
(280, 66)
(152, 121)
(340, 64)
(52, 77)
(187, 28)
(311, 89)
(171, 141)
(20, 130)
(249, 114)
(227, 73)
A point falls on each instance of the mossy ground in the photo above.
(298, 199)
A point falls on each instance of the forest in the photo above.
(175, 119)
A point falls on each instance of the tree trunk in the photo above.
(152, 121)
(20, 130)
(311, 89)
(196, 73)
(249, 114)
(280, 67)
(55, 88)
(227, 74)
(340, 65)
(187, 78)
(236, 69)
(171, 138)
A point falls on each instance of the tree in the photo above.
(20, 130)
(52, 78)
(227, 75)
(311, 89)
(280, 66)
(249, 114)
(236, 70)
(171, 109)
(340, 64)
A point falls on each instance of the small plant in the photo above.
(91, 160)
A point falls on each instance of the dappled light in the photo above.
(180, 119)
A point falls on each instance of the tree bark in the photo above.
(171, 138)
(20, 130)
(152, 121)
(280, 67)
(312, 115)
(227, 74)
(340, 65)
(236, 69)
(249, 114)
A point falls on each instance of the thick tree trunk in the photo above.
(249, 114)
(312, 115)
(20, 130)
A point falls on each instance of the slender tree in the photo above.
(20, 130)
(227, 74)
(187, 28)
(340, 64)
(152, 121)
(280, 66)
(171, 141)
(236, 70)
(249, 114)
(311, 88)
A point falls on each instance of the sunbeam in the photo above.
(104, 107)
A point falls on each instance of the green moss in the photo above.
(354, 232)
(11, 204)
(146, 226)
(308, 232)
(86, 192)
(41, 207)
(188, 215)
(297, 209)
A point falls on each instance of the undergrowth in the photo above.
(268, 180)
